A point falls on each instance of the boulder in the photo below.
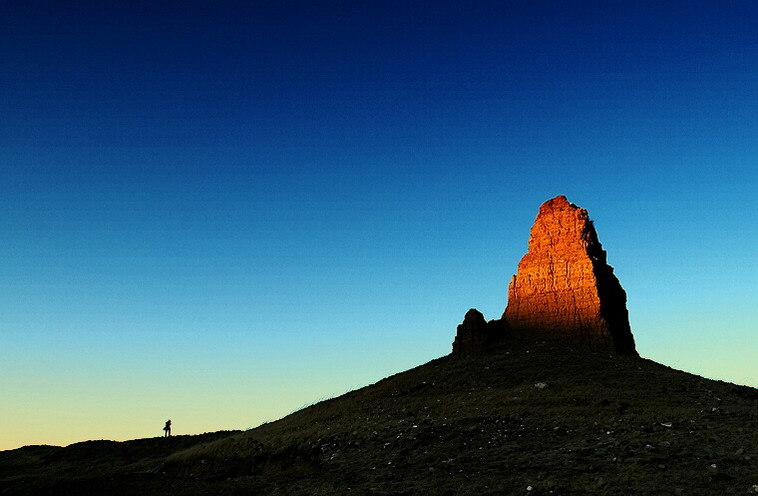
(473, 335)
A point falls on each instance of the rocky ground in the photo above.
(538, 419)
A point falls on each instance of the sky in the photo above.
(221, 212)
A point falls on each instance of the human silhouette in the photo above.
(167, 429)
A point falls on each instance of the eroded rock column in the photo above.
(564, 289)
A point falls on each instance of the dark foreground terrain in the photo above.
(530, 420)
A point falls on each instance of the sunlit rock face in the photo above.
(564, 290)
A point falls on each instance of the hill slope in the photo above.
(540, 419)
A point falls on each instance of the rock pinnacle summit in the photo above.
(563, 291)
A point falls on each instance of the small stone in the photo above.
(540, 386)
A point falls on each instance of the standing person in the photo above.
(167, 429)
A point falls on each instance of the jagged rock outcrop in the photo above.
(564, 290)
(474, 334)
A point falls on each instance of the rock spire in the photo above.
(564, 289)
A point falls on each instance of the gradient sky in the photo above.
(219, 212)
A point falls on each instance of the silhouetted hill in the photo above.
(50, 469)
(540, 419)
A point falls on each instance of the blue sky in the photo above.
(218, 212)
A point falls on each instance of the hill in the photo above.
(518, 419)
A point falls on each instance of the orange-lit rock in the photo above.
(564, 290)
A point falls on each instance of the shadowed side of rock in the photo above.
(612, 298)
(475, 334)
